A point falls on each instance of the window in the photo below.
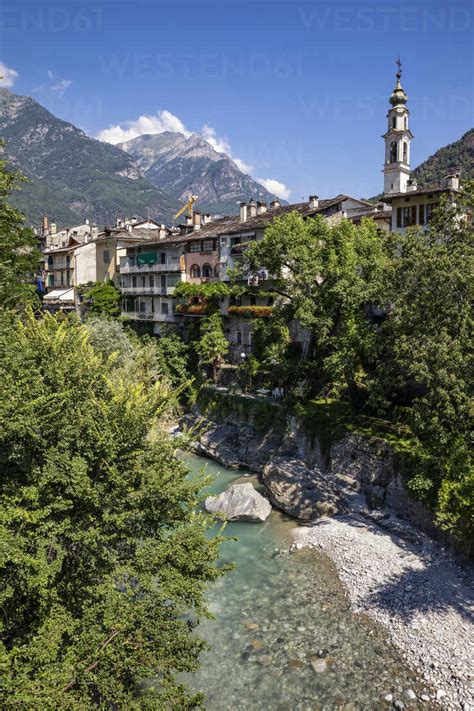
(270, 301)
(134, 281)
(406, 216)
(163, 258)
(195, 271)
(163, 284)
(164, 308)
(405, 123)
(207, 245)
(206, 270)
(152, 281)
(50, 279)
(238, 337)
(394, 122)
(253, 300)
(106, 256)
(195, 247)
(50, 262)
(143, 281)
(142, 306)
(393, 152)
(405, 152)
(421, 215)
(399, 217)
(429, 210)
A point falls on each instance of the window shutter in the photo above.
(399, 216)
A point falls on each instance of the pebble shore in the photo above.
(416, 589)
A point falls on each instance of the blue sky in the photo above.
(296, 91)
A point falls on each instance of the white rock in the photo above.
(240, 502)
(440, 694)
(410, 693)
(388, 698)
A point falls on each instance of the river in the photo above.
(284, 637)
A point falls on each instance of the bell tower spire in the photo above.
(397, 140)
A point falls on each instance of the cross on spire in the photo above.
(399, 65)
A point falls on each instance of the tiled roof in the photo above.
(232, 224)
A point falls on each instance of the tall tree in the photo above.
(19, 254)
(326, 275)
(104, 559)
(426, 363)
(212, 345)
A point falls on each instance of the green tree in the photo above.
(19, 254)
(213, 345)
(104, 560)
(426, 361)
(101, 298)
(326, 276)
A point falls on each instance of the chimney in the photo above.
(252, 208)
(313, 202)
(95, 232)
(261, 208)
(274, 204)
(412, 185)
(53, 228)
(45, 223)
(243, 212)
(196, 220)
(86, 221)
(206, 218)
(452, 181)
(189, 220)
(162, 233)
(129, 228)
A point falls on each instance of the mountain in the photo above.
(71, 175)
(182, 165)
(457, 156)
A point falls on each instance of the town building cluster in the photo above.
(147, 260)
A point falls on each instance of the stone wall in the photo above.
(356, 472)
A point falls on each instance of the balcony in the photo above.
(147, 316)
(127, 268)
(147, 290)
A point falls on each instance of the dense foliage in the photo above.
(389, 322)
(212, 345)
(326, 275)
(104, 559)
(425, 363)
(19, 254)
(457, 156)
(100, 298)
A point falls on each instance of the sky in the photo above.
(296, 92)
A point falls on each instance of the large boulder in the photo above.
(240, 502)
(299, 491)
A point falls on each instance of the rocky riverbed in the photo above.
(376, 536)
(414, 588)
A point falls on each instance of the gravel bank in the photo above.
(414, 588)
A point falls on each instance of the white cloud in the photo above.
(56, 85)
(222, 145)
(59, 86)
(275, 187)
(9, 75)
(166, 121)
(163, 121)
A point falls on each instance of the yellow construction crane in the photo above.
(187, 206)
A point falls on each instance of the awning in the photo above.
(146, 258)
(59, 295)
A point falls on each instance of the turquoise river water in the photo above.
(284, 637)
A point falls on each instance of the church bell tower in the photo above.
(396, 168)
